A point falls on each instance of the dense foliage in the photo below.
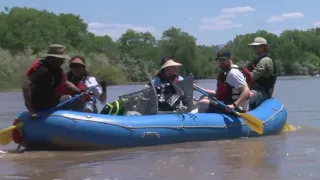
(25, 34)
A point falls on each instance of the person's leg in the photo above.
(257, 97)
(202, 105)
(209, 106)
(203, 97)
(214, 107)
(90, 107)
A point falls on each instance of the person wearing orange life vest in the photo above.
(260, 73)
(81, 78)
(44, 83)
(232, 88)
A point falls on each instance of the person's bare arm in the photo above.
(245, 92)
(208, 91)
(69, 85)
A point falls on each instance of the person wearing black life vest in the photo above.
(232, 88)
(260, 73)
(81, 78)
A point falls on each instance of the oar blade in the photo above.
(252, 122)
(6, 138)
(6, 135)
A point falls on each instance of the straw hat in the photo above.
(56, 50)
(168, 63)
(259, 41)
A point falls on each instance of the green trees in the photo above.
(25, 34)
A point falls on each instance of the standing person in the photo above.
(44, 84)
(232, 88)
(80, 77)
(261, 72)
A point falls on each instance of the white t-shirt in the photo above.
(236, 79)
(92, 85)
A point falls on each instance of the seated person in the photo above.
(80, 77)
(262, 72)
(167, 72)
(232, 88)
(45, 82)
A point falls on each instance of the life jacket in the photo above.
(266, 82)
(225, 92)
(60, 89)
(174, 79)
(79, 84)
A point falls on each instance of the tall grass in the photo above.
(14, 67)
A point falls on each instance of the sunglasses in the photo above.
(76, 66)
(255, 47)
(222, 59)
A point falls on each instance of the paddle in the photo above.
(6, 133)
(252, 122)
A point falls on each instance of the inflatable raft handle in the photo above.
(152, 134)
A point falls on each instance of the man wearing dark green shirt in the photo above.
(262, 71)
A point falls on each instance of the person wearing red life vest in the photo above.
(81, 78)
(232, 88)
(260, 73)
(44, 83)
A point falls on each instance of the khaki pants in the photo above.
(257, 97)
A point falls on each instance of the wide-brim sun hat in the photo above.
(168, 63)
(56, 50)
(259, 41)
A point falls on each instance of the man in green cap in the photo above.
(260, 73)
(45, 82)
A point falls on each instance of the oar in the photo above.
(6, 133)
(252, 122)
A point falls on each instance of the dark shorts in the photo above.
(214, 107)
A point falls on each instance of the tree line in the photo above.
(25, 34)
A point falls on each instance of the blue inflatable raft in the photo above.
(87, 131)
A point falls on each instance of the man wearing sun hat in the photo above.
(261, 72)
(45, 82)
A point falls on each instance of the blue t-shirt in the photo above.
(156, 81)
